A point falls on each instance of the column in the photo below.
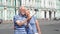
(23, 2)
(17, 12)
(0, 14)
(12, 2)
(27, 3)
(52, 15)
(5, 2)
(42, 14)
(5, 13)
(17, 3)
(47, 14)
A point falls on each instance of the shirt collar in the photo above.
(22, 15)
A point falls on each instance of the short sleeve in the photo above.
(34, 25)
(35, 18)
(15, 19)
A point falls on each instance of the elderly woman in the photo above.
(25, 24)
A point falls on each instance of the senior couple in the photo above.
(24, 23)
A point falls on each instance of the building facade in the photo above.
(47, 9)
(8, 8)
(58, 8)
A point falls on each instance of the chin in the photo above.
(23, 14)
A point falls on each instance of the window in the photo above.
(0, 2)
(8, 2)
(49, 3)
(10, 13)
(29, 0)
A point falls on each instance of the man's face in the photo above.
(22, 10)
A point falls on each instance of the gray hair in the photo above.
(21, 7)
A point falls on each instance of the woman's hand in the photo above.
(39, 32)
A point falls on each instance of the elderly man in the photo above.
(25, 24)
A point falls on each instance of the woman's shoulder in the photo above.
(34, 17)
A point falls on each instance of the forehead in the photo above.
(22, 8)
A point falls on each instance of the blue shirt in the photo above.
(21, 18)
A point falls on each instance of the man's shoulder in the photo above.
(16, 16)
